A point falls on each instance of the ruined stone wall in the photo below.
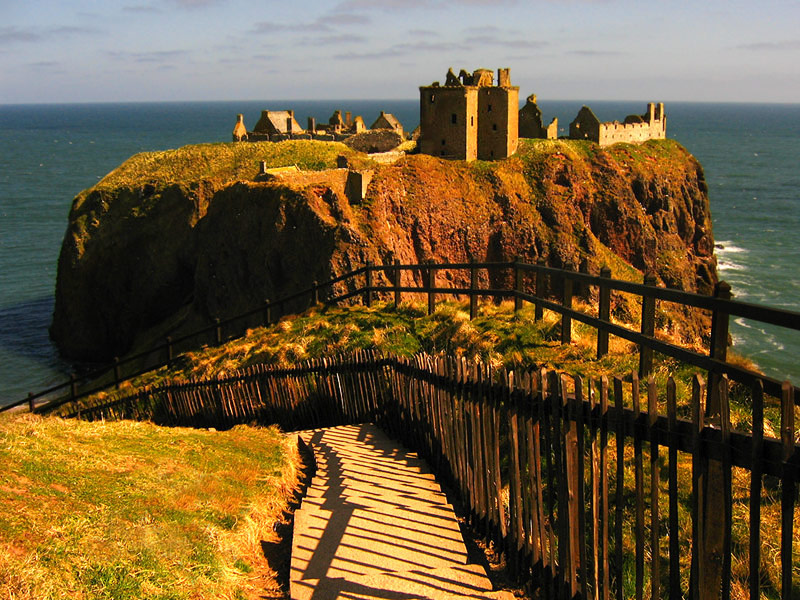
(448, 121)
(498, 122)
(632, 133)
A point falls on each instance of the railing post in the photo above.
(517, 285)
(314, 293)
(31, 403)
(73, 386)
(368, 284)
(217, 331)
(267, 313)
(396, 282)
(117, 377)
(648, 328)
(473, 287)
(541, 282)
(603, 311)
(719, 345)
(713, 522)
(566, 320)
(170, 351)
(431, 278)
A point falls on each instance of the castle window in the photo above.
(442, 142)
(489, 108)
(433, 98)
(453, 118)
(494, 126)
(471, 121)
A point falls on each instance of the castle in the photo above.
(467, 118)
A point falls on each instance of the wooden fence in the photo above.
(517, 280)
(592, 489)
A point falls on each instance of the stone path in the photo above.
(375, 524)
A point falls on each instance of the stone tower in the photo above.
(469, 117)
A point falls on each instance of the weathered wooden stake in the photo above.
(117, 377)
(368, 284)
(473, 286)
(603, 312)
(566, 320)
(517, 284)
(541, 282)
(170, 351)
(217, 331)
(431, 278)
(648, 328)
(397, 282)
(267, 313)
(719, 345)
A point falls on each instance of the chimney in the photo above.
(312, 125)
(348, 118)
(504, 77)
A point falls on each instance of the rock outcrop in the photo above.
(141, 261)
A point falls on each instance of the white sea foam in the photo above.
(727, 247)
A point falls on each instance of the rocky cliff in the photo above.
(168, 242)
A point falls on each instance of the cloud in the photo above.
(323, 24)
(596, 53)
(157, 56)
(193, 3)
(11, 35)
(423, 33)
(772, 46)
(141, 8)
(334, 40)
(44, 64)
(404, 49)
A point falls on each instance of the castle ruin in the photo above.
(530, 122)
(279, 125)
(634, 129)
(469, 117)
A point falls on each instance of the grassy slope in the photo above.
(129, 510)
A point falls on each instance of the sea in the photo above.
(50, 152)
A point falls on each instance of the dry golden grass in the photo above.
(129, 510)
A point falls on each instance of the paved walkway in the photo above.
(375, 524)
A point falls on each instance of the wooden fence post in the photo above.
(473, 286)
(431, 278)
(719, 345)
(368, 284)
(648, 328)
(541, 282)
(566, 320)
(267, 313)
(31, 403)
(788, 488)
(517, 285)
(603, 311)
(314, 293)
(217, 331)
(397, 282)
(73, 386)
(117, 377)
(170, 351)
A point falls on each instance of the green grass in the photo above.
(129, 510)
(221, 161)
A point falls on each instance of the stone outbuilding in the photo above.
(273, 122)
(530, 122)
(388, 121)
(469, 117)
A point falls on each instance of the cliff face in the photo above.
(156, 258)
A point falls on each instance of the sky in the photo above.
(162, 50)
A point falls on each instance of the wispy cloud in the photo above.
(772, 46)
(44, 64)
(141, 8)
(11, 35)
(423, 33)
(405, 49)
(334, 40)
(193, 3)
(326, 23)
(596, 53)
(157, 56)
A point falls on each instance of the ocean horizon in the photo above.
(53, 151)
